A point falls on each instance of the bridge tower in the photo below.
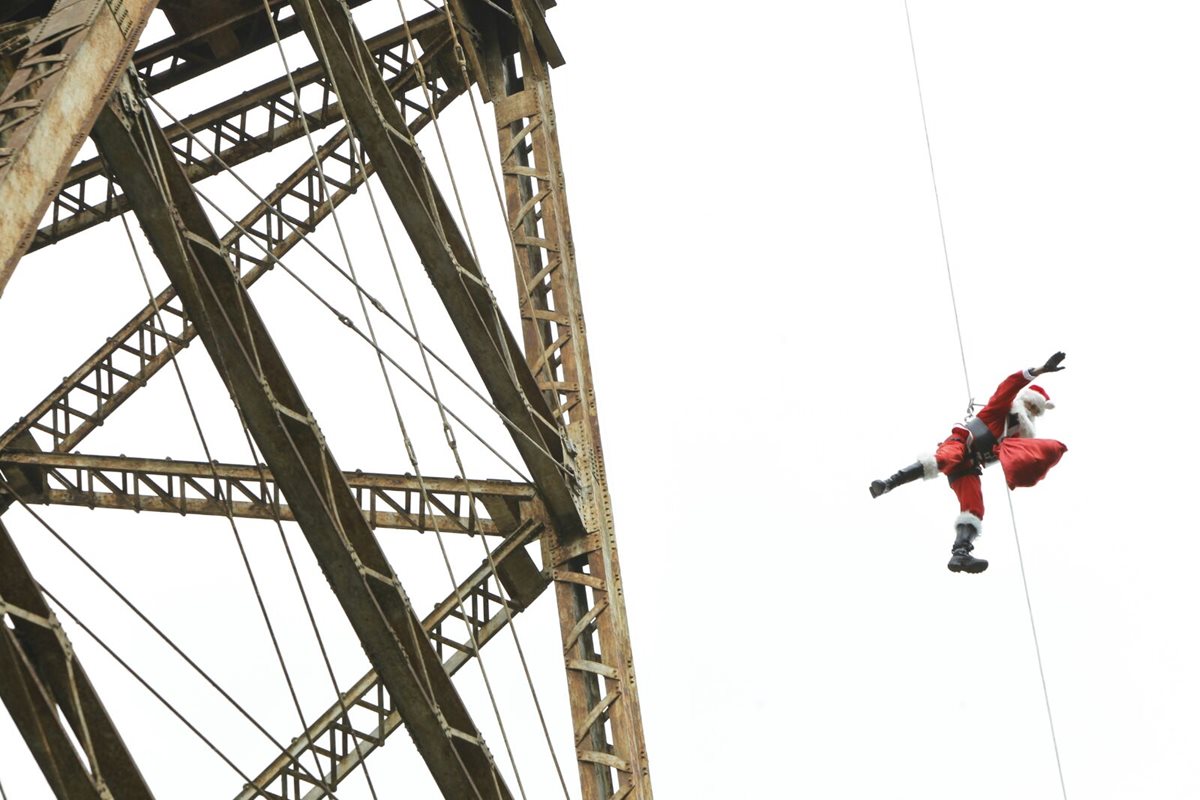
(74, 70)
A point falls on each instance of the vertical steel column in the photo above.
(599, 659)
(69, 69)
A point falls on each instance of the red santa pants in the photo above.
(952, 457)
(1024, 461)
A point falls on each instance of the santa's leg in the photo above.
(969, 525)
(925, 467)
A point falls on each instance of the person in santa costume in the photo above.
(1003, 431)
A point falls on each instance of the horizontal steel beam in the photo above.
(358, 725)
(256, 122)
(215, 489)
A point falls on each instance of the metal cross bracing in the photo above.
(141, 347)
(255, 122)
(387, 88)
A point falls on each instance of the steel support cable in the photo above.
(154, 692)
(345, 320)
(435, 219)
(506, 420)
(1012, 513)
(216, 484)
(76, 710)
(165, 189)
(283, 538)
(312, 620)
(89, 748)
(452, 443)
(425, 349)
(349, 323)
(451, 440)
(357, 154)
(282, 748)
(492, 171)
(415, 633)
(460, 58)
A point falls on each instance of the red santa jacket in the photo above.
(1024, 459)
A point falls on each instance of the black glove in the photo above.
(1052, 364)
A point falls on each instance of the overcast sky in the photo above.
(771, 327)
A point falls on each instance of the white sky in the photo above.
(770, 328)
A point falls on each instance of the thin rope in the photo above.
(970, 400)
(938, 202)
(1037, 647)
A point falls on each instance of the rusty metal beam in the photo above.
(288, 437)
(610, 742)
(215, 489)
(186, 55)
(444, 252)
(256, 122)
(43, 683)
(62, 80)
(356, 727)
(134, 354)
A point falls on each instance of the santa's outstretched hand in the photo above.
(1052, 364)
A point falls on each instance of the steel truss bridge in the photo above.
(73, 69)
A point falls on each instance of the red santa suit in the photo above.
(1024, 458)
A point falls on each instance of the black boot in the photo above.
(906, 475)
(962, 560)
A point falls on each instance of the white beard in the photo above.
(1025, 429)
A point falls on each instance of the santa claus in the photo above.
(1002, 431)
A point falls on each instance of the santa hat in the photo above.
(1037, 397)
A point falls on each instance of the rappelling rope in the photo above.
(937, 200)
(1036, 647)
(970, 399)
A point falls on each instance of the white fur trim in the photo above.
(1026, 428)
(1036, 399)
(967, 518)
(929, 463)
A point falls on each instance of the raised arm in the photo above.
(994, 413)
(1053, 364)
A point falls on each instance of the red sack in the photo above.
(1026, 461)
